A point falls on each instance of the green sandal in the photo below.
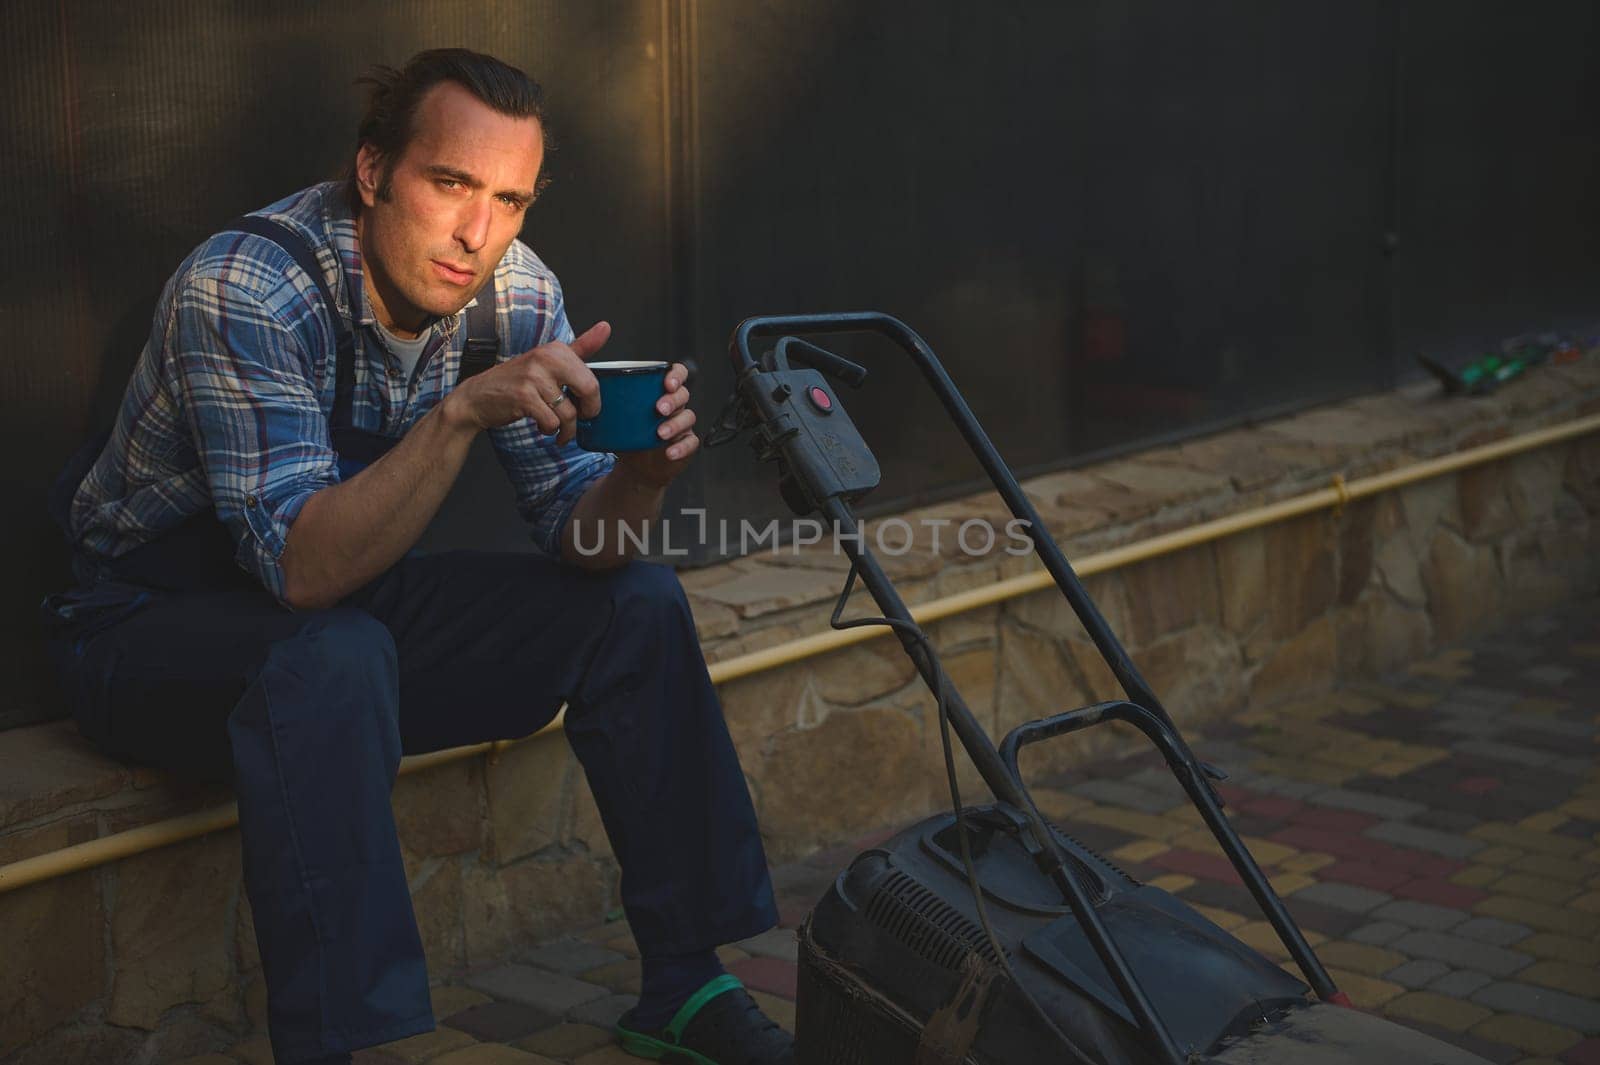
(719, 1025)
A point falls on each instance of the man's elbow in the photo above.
(300, 591)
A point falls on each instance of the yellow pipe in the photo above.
(81, 856)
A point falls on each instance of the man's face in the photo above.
(457, 198)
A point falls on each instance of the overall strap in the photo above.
(301, 252)
(483, 342)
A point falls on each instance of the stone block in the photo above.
(1041, 674)
(1171, 592)
(712, 620)
(1417, 974)
(440, 810)
(1357, 543)
(172, 934)
(42, 839)
(1304, 663)
(1496, 933)
(1527, 1034)
(1346, 897)
(584, 824)
(491, 1054)
(869, 764)
(1379, 933)
(622, 976)
(1580, 980)
(428, 1046)
(257, 1050)
(1367, 992)
(1582, 473)
(1399, 567)
(1412, 837)
(1378, 634)
(436, 901)
(1415, 914)
(509, 908)
(603, 1012)
(1360, 958)
(566, 1041)
(1463, 584)
(1151, 486)
(1459, 953)
(55, 960)
(766, 589)
(1460, 983)
(1438, 1010)
(761, 705)
(1197, 674)
(572, 956)
(44, 768)
(1533, 484)
(453, 999)
(1486, 511)
(501, 1022)
(549, 992)
(1242, 578)
(1367, 803)
(1539, 888)
(1301, 573)
(527, 787)
(864, 672)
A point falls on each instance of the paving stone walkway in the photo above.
(1437, 836)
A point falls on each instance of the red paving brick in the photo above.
(1478, 785)
(1364, 875)
(772, 975)
(1340, 844)
(1440, 893)
(1235, 795)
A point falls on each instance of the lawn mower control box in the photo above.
(804, 427)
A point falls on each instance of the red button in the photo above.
(821, 399)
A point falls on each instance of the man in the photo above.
(250, 608)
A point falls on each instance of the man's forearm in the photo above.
(348, 533)
(614, 501)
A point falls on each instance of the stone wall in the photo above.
(153, 957)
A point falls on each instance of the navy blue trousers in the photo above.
(308, 713)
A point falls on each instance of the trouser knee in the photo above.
(335, 681)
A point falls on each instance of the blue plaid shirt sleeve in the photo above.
(244, 370)
(549, 479)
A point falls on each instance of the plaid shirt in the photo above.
(228, 405)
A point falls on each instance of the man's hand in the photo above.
(529, 385)
(657, 468)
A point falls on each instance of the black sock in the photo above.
(668, 984)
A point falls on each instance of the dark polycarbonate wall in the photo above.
(1497, 174)
(1115, 221)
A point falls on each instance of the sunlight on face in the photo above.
(458, 195)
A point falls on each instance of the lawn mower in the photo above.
(988, 935)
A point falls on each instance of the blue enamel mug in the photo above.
(628, 418)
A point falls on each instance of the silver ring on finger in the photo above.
(561, 397)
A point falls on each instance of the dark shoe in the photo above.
(719, 1025)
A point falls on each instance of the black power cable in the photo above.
(915, 632)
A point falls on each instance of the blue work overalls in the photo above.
(173, 656)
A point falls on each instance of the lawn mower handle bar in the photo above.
(1133, 684)
(1200, 793)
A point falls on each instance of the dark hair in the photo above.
(390, 121)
